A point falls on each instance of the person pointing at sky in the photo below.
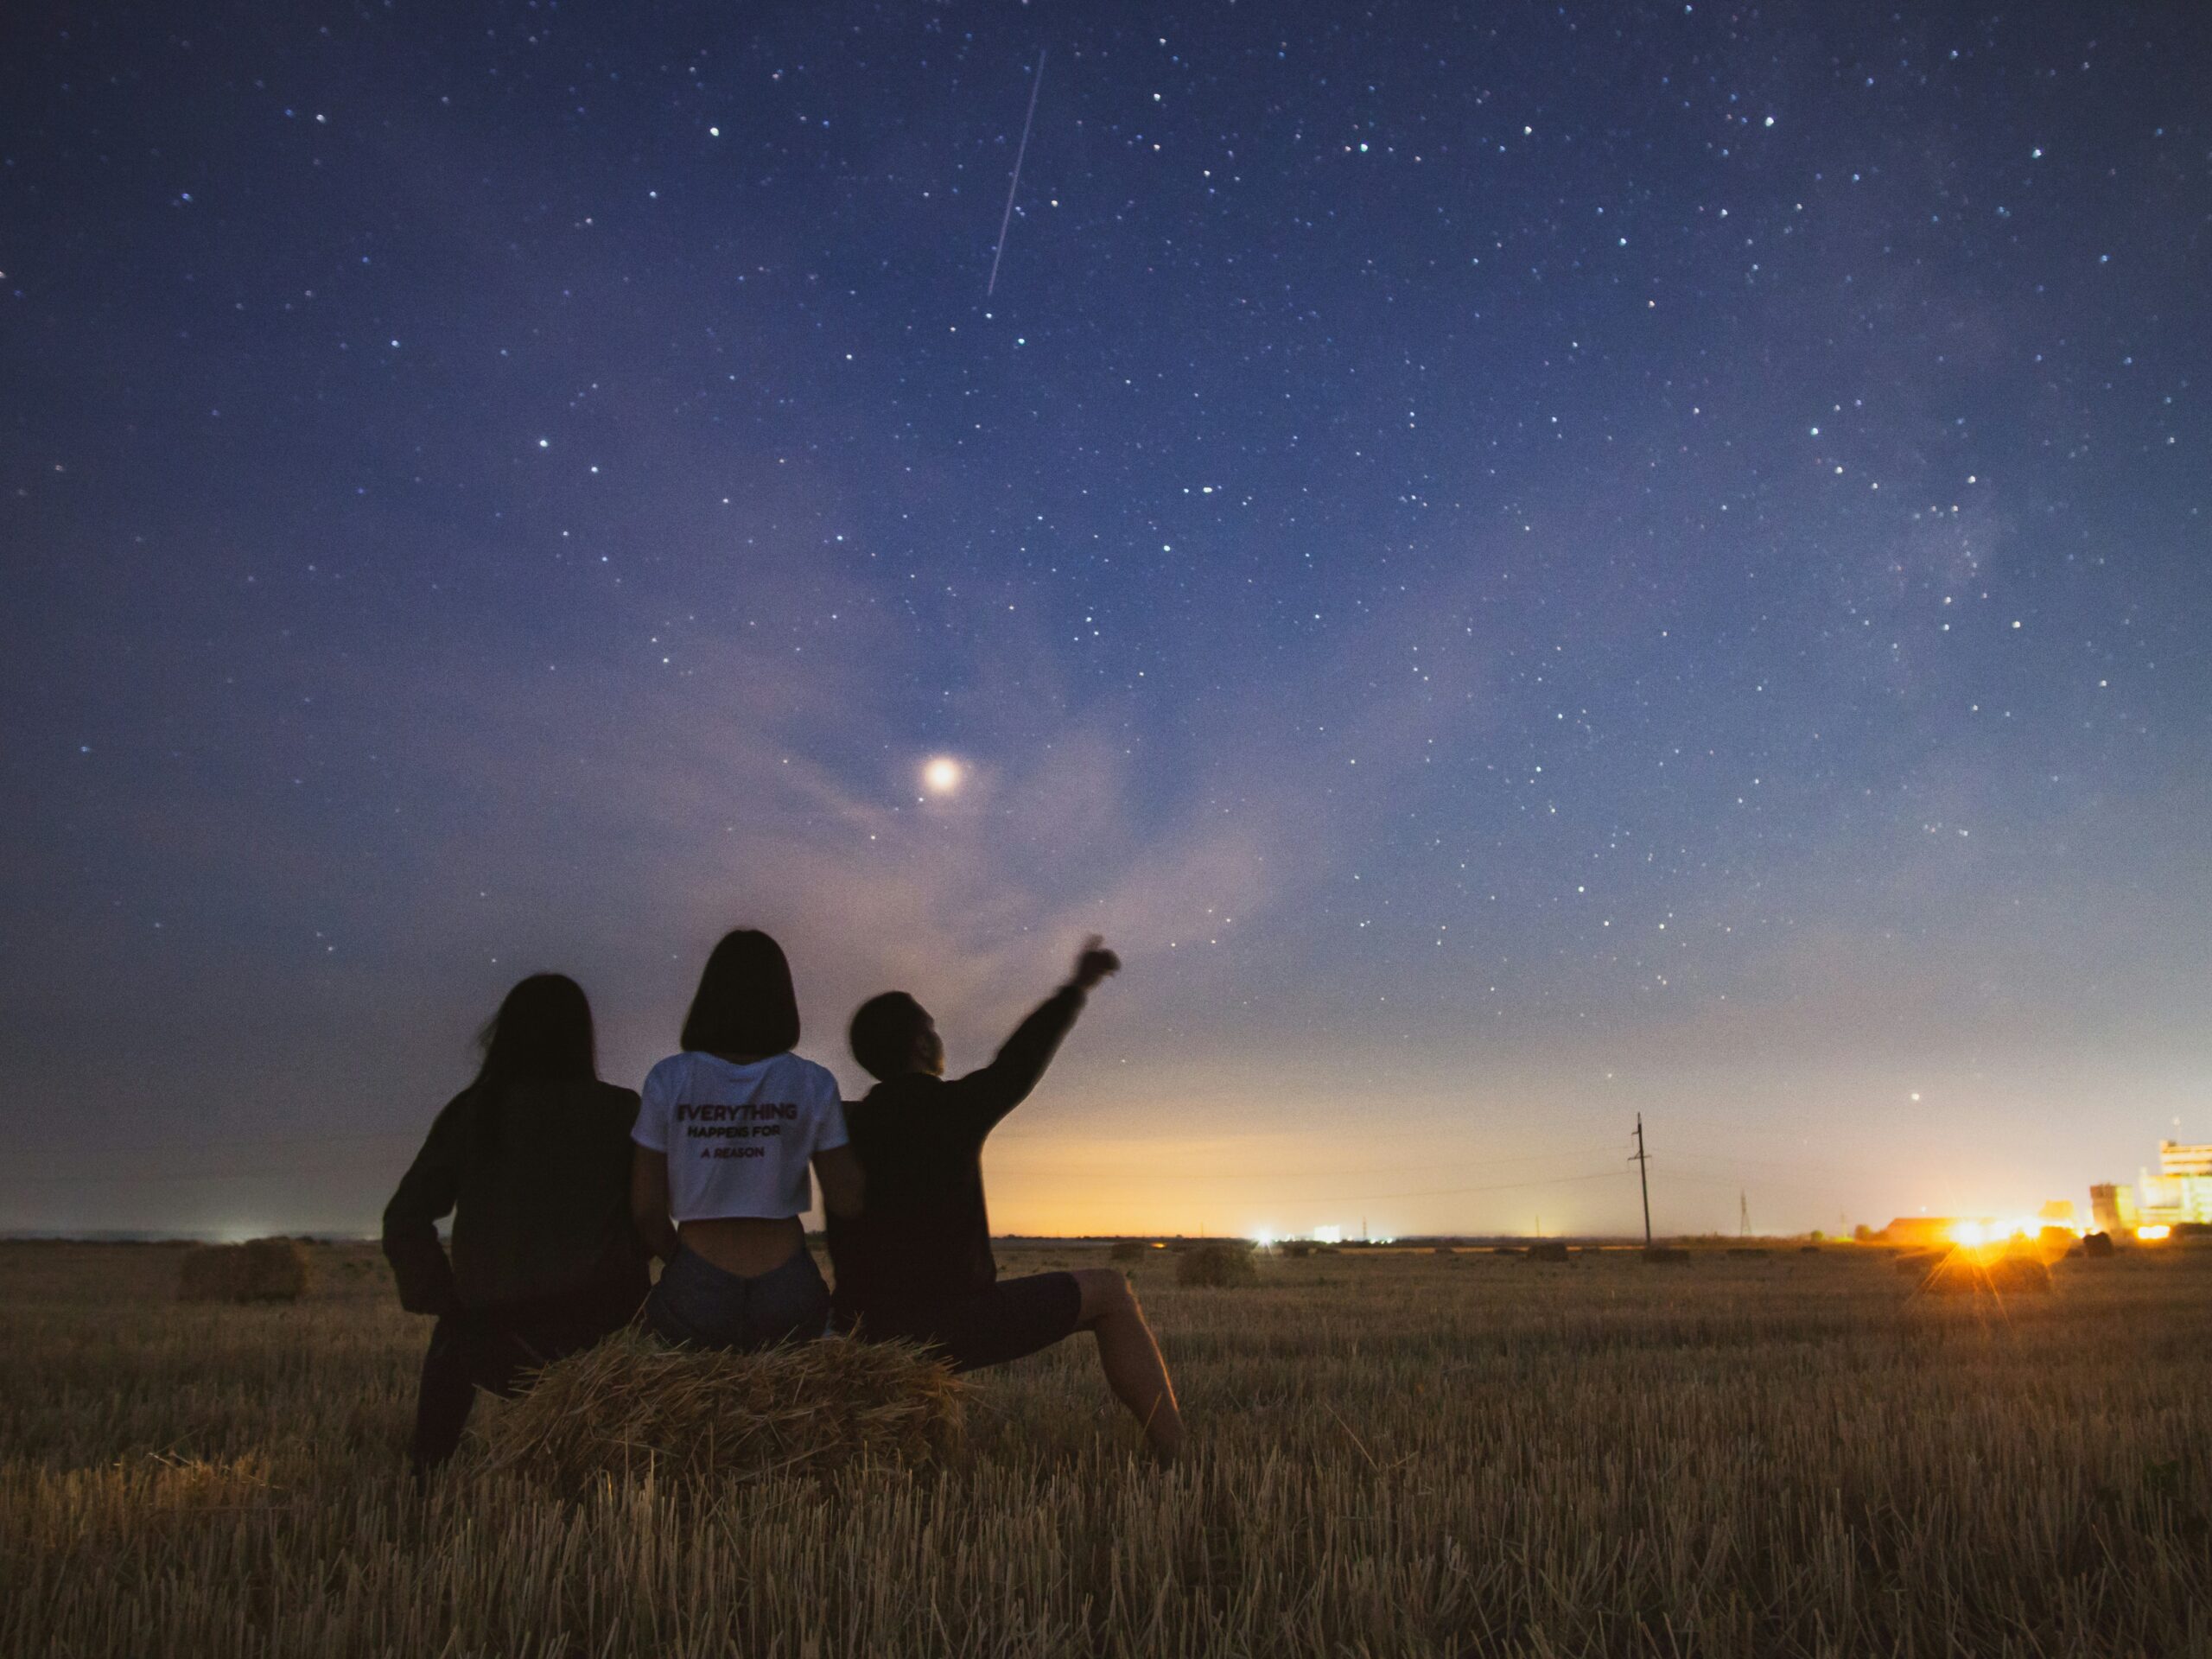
(917, 1263)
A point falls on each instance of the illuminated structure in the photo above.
(2180, 1191)
(1925, 1230)
(2113, 1207)
(1941, 1232)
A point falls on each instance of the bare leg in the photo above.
(1130, 1358)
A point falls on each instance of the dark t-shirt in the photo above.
(924, 1236)
(536, 1177)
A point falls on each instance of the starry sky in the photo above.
(1525, 564)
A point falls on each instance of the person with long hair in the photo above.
(530, 1160)
(726, 1134)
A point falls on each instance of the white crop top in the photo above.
(737, 1137)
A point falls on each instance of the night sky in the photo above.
(1524, 563)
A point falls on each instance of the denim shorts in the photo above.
(696, 1302)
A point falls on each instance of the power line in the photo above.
(164, 1177)
(1731, 1180)
(1499, 1186)
(157, 1149)
(198, 1176)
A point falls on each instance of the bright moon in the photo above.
(941, 776)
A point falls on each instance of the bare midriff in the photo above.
(747, 1246)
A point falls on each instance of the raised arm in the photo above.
(1003, 1084)
(426, 1195)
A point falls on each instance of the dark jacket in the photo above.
(538, 1180)
(924, 1237)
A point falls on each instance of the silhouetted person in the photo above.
(917, 1263)
(532, 1161)
(725, 1136)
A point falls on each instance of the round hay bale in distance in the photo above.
(259, 1270)
(1217, 1267)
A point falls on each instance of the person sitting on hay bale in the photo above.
(917, 1264)
(725, 1135)
(532, 1162)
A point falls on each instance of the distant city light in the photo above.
(1328, 1235)
(1974, 1234)
(2154, 1232)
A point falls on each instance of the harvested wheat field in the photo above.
(1395, 1454)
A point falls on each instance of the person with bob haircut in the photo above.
(530, 1160)
(917, 1265)
(726, 1133)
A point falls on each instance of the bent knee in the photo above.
(1105, 1290)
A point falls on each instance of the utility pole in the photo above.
(1643, 1176)
(1742, 1213)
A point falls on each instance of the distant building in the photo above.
(2180, 1191)
(2178, 1162)
(2112, 1208)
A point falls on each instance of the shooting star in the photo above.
(1036, 84)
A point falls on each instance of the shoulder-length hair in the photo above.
(744, 1003)
(542, 1032)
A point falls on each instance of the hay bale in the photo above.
(1217, 1265)
(1961, 1273)
(1127, 1249)
(2097, 1244)
(1666, 1253)
(259, 1270)
(633, 1404)
(1548, 1249)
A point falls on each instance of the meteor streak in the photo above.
(1036, 82)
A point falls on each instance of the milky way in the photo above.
(1524, 565)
